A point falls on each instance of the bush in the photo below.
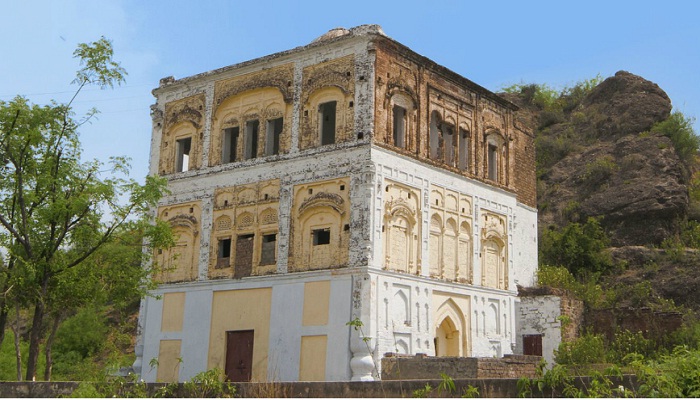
(679, 129)
(589, 291)
(587, 349)
(578, 247)
(598, 171)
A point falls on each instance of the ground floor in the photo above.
(330, 325)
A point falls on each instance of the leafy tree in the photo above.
(578, 247)
(57, 211)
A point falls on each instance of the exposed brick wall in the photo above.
(653, 324)
(422, 367)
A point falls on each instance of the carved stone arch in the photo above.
(245, 220)
(223, 223)
(400, 209)
(435, 246)
(323, 199)
(451, 202)
(436, 223)
(246, 195)
(322, 91)
(401, 92)
(402, 308)
(401, 243)
(464, 255)
(438, 200)
(268, 216)
(450, 330)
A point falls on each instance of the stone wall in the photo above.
(395, 367)
(652, 324)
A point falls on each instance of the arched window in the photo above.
(402, 109)
(494, 153)
(248, 125)
(435, 246)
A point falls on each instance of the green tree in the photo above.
(57, 211)
(578, 247)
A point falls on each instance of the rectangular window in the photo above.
(463, 150)
(326, 113)
(321, 236)
(251, 139)
(183, 147)
(224, 253)
(273, 133)
(493, 162)
(449, 136)
(399, 127)
(268, 249)
(230, 145)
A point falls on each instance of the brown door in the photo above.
(532, 345)
(239, 356)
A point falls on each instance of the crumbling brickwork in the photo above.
(399, 367)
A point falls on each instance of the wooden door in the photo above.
(532, 345)
(239, 356)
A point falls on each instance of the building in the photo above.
(350, 179)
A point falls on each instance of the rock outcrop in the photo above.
(605, 163)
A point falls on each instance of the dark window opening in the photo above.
(230, 145)
(267, 250)
(464, 150)
(399, 126)
(322, 236)
(273, 133)
(448, 132)
(342, 187)
(327, 115)
(183, 147)
(493, 162)
(251, 139)
(224, 253)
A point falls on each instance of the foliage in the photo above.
(206, 384)
(559, 382)
(581, 248)
(589, 291)
(674, 375)
(598, 171)
(679, 129)
(57, 211)
(587, 349)
(552, 100)
(626, 342)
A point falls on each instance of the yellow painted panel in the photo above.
(237, 310)
(316, 298)
(173, 312)
(312, 363)
(169, 361)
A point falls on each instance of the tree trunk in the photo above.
(35, 340)
(3, 320)
(18, 351)
(47, 349)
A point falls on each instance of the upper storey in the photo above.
(347, 88)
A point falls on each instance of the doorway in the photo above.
(239, 355)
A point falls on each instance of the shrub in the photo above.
(589, 291)
(598, 171)
(587, 349)
(578, 247)
(679, 129)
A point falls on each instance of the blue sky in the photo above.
(495, 44)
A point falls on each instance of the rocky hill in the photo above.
(603, 151)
